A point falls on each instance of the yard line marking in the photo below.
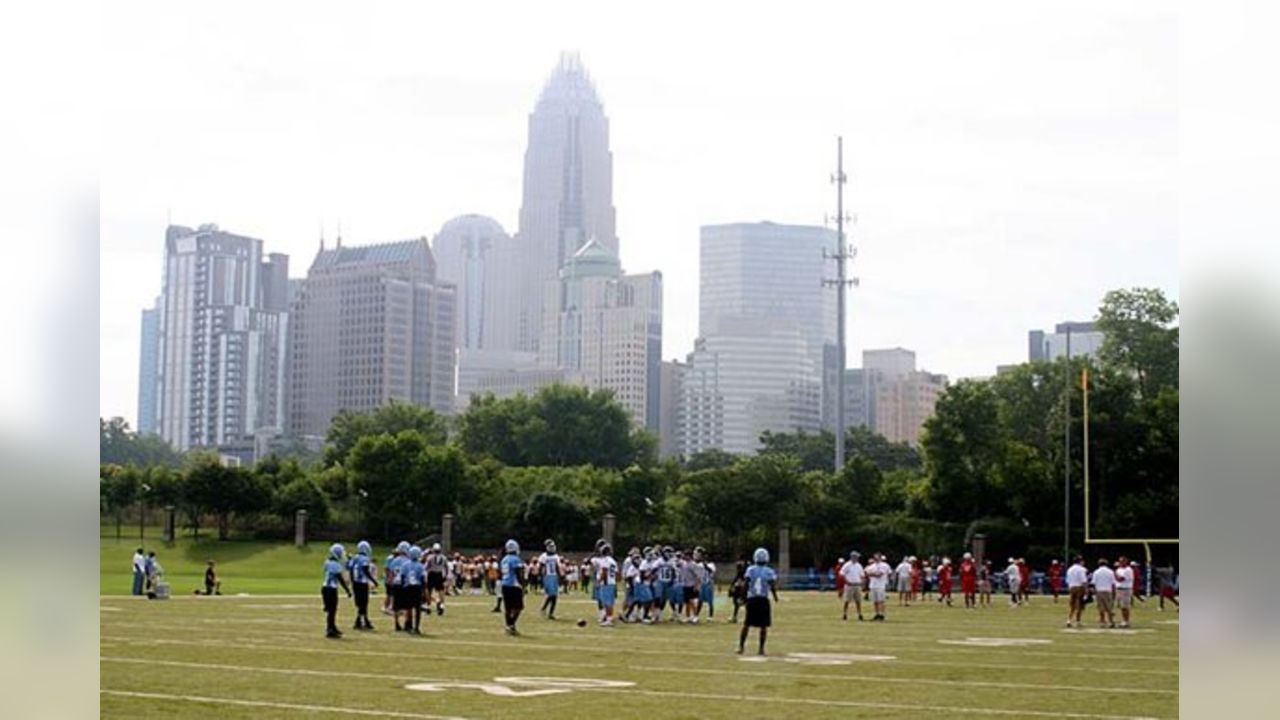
(867, 704)
(253, 645)
(278, 705)
(258, 645)
(550, 644)
(700, 671)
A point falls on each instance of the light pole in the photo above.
(142, 514)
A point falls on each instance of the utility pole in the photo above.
(1066, 455)
(841, 282)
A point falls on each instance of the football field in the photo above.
(265, 656)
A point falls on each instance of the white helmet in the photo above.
(403, 547)
(364, 548)
(968, 556)
(435, 547)
(760, 556)
(336, 551)
(550, 545)
(415, 553)
(513, 547)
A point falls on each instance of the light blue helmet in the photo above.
(760, 556)
(403, 547)
(415, 553)
(364, 548)
(336, 551)
(513, 547)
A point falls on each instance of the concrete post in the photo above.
(979, 548)
(170, 523)
(300, 528)
(784, 554)
(446, 533)
(609, 526)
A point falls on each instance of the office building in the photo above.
(223, 326)
(372, 324)
(670, 389)
(149, 370)
(1083, 339)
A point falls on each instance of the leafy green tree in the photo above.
(816, 451)
(548, 514)
(118, 444)
(349, 426)
(1141, 337)
(962, 444)
(709, 459)
(301, 494)
(211, 487)
(404, 480)
(560, 425)
(749, 499)
(118, 488)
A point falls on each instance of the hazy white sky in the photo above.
(1008, 163)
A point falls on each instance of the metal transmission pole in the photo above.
(843, 252)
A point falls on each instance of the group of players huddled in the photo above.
(654, 579)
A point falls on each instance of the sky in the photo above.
(1008, 162)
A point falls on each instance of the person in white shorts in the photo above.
(853, 573)
(1124, 589)
(878, 583)
(1104, 593)
(1077, 586)
(903, 571)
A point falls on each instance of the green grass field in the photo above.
(263, 655)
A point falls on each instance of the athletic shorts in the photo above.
(435, 581)
(877, 595)
(1077, 595)
(513, 597)
(329, 596)
(1124, 598)
(644, 593)
(662, 591)
(361, 591)
(1105, 600)
(853, 594)
(412, 596)
(608, 595)
(690, 593)
(551, 584)
(759, 612)
(675, 594)
(708, 593)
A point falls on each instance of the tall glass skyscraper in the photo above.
(568, 187)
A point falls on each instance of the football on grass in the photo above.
(582, 622)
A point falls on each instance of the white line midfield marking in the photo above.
(259, 645)
(997, 642)
(699, 671)
(279, 705)
(818, 658)
(501, 686)
(552, 645)
(1106, 631)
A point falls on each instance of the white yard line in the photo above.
(258, 645)
(629, 691)
(278, 705)
(701, 671)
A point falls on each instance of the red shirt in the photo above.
(1025, 572)
(1055, 576)
(968, 576)
(944, 578)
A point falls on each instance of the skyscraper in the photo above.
(222, 338)
(767, 327)
(1083, 338)
(149, 369)
(477, 256)
(604, 330)
(897, 397)
(568, 187)
(371, 324)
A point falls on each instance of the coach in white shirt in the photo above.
(139, 571)
(1124, 589)
(1077, 586)
(852, 573)
(878, 584)
(1104, 592)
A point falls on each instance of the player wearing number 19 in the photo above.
(512, 592)
(762, 582)
(333, 578)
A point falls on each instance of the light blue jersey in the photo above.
(550, 563)
(359, 567)
(412, 574)
(332, 573)
(759, 578)
(510, 566)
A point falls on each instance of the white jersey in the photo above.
(1104, 580)
(1077, 576)
(904, 571)
(1013, 575)
(607, 571)
(852, 572)
(631, 572)
(550, 563)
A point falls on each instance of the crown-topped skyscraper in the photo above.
(568, 186)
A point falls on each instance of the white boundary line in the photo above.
(653, 693)
(700, 671)
(551, 643)
(277, 705)
(258, 645)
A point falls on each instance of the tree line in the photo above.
(992, 459)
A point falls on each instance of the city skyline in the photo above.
(968, 223)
